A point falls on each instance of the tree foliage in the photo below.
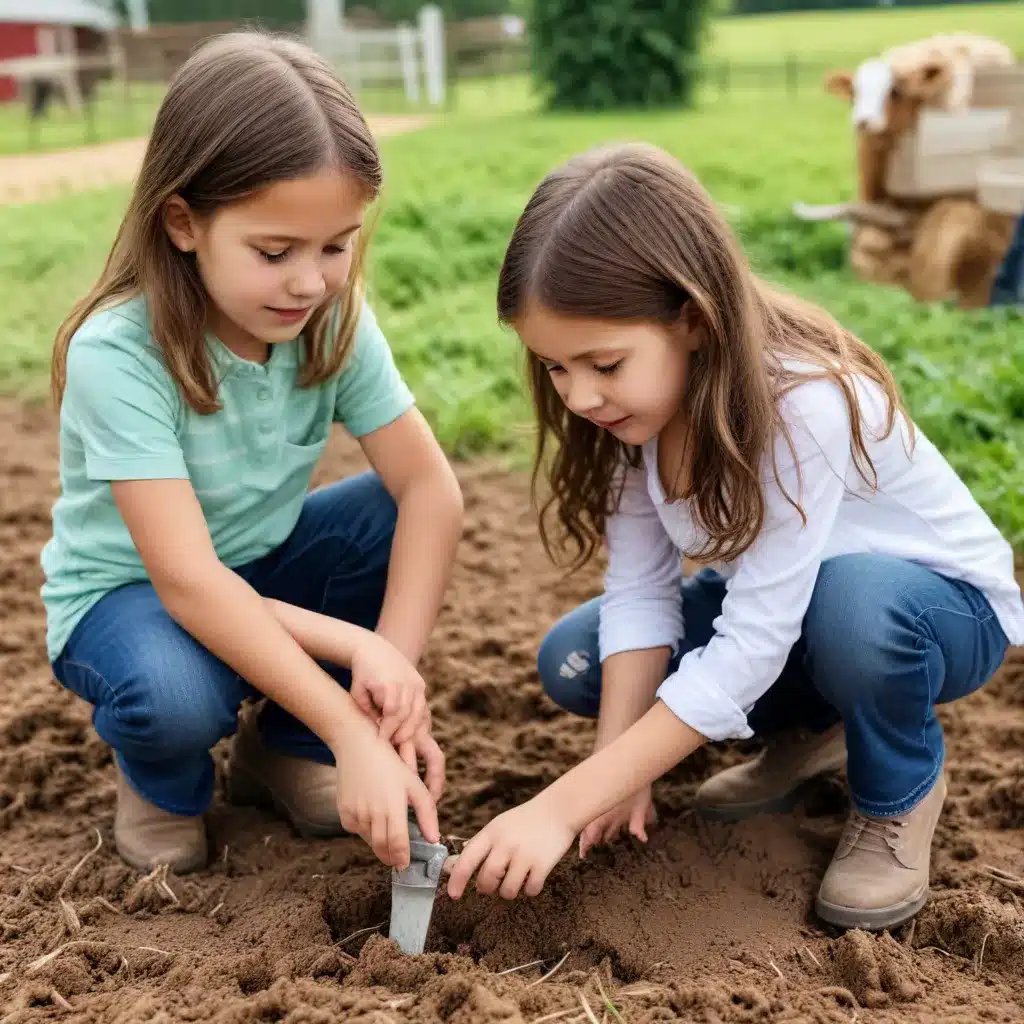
(605, 54)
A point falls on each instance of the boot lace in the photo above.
(879, 834)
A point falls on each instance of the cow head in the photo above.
(886, 103)
(886, 100)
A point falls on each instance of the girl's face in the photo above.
(628, 377)
(269, 260)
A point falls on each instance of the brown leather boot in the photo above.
(146, 836)
(772, 781)
(879, 874)
(303, 792)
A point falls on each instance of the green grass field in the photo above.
(452, 194)
(860, 33)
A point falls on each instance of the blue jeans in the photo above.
(883, 641)
(1008, 287)
(162, 700)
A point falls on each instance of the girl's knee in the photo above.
(358, 510)
(569, 668)
(378, 499)
(174, 702)
(861, 629)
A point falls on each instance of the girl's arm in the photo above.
(641, 621)
(641, 610)
(416, 473)
(629, 681)
(227, 616)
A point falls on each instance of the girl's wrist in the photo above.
(634, 759)
(344, 719)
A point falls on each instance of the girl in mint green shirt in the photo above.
(191, 569)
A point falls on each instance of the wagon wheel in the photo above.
(981, 259)
(943, 240)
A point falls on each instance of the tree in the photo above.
(605, 54)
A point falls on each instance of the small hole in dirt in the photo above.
(253, 974)
(965, 850)
(350, 908)
(271, 1014)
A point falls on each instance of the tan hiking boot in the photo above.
(879, 875)
(147, 836)
(772, 781)
(302, 791)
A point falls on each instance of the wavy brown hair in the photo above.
(246, 110)
(628, 233)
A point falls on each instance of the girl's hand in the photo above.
(375, 790)
(635, 812)
(517, 850)
(386, 686)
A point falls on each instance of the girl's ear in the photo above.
(180, 224)
(691, 323)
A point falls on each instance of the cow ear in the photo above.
(840, 83)
(929, 81)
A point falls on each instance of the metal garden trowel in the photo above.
(413, 890)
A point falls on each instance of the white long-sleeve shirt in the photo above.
(921, 511)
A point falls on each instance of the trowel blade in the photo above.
(411, 910)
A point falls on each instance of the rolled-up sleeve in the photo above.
(641, 606)
(762, 616)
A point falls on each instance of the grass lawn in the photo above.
(858, 33)
(452, 195)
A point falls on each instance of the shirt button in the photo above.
(263, 394)
(266, 426)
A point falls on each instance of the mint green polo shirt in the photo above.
(250, 463)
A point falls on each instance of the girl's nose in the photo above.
(308, 282)
(582, 398)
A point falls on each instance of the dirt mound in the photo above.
(708, 922)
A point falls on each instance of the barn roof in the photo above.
(87, 13)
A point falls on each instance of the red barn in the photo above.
(31, 27)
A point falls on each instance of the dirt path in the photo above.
(708, 923)
(32, 177)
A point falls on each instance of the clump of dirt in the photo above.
(876, 971)
(706, 922)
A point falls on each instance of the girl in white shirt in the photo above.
(687, 409)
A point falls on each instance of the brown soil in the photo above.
(709, 923)
(31, 177)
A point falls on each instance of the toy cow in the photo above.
(887, 94)
(934, 246)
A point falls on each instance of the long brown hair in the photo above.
(246, 110)
(627, 233)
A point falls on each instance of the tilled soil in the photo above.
(709, 923)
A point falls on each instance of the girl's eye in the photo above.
(554, 368)
(609, 369)
(273, 257)
(336, 250)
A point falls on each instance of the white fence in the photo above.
(412, 55)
